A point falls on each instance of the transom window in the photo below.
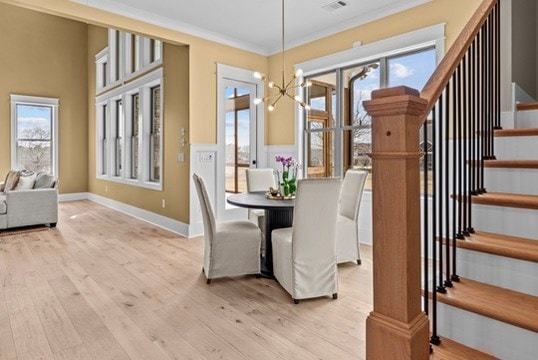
(34, 135)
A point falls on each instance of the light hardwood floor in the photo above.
(103, 285)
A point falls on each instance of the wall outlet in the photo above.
(181, 157)
(163, 203)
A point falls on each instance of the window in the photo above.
(337, 130)
(129, 128)
(135, 122)
(155, 134)
(135, 53)
(103, 139)
(155, 48)
(127, 56)
(34, 124)
(102, 71)
(118, 143)
(237, 128)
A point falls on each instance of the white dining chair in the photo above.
(260, 180)
(347, 224)
(304, 255)
(231, 248)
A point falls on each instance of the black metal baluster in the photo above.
(468, 142)
(446, 193)
(434, 339)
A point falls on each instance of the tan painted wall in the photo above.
(455, 13)
(43, 55)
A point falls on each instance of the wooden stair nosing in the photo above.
(501, 245)
(511, 164)
(516, 132)
(497, 303)
(452, 350)
(533, 105)
(507, 199)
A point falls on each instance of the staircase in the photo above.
(494, 307)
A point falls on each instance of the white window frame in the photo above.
(102, 80)
(142, 86)
(432, 36)
(37, 101)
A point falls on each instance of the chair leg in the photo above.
(359, 262)
(208, 281)
(258, 276)
(335, 296)
(296, 301)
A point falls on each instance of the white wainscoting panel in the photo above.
(204, 163)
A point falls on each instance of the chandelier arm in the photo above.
(276, 100)
(289, 83)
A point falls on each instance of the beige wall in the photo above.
(455, 13)
(43, 55)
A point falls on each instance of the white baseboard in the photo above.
(164, 222)
(73, 196)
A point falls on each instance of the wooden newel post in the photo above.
(396, 328)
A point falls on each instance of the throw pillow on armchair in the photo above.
(12, 179)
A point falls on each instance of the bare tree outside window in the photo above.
(34, 137)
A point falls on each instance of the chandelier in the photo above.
(285, 89)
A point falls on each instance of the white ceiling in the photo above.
(254, 25)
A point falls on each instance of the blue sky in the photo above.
(30, 116)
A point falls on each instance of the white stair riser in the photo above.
(509, 273)
(505, 220)
(516, 148)
(526, 119)
(503, 340)
(516, 181)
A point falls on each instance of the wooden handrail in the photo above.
(440, 78)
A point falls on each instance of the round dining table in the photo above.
(278, 214)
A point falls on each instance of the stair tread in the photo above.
(516, 132)
(518, 164)
(502, 245)
(507, 199)
(451, 350)
(532, 105)
(498, 303)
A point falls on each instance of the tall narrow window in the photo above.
(34, 124)
(155, 135)
(155, 49)
(238, 121)
(104, 140)
(135, 53)
(104, 79)
(118, 143)
(135, 113)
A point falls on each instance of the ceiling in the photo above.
(255, 25)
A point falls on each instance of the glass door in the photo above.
(240, 146)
